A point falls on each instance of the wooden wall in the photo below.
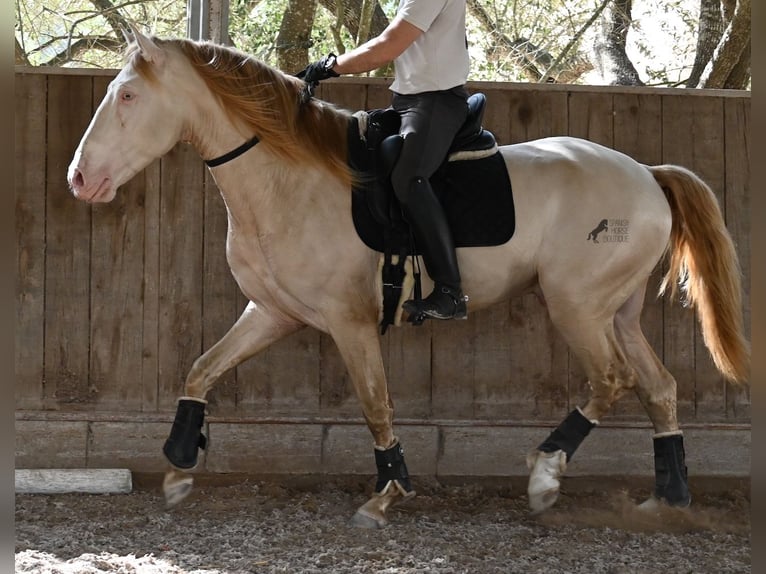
(115, 302)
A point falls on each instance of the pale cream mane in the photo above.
(268, 101)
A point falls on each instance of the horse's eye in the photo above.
(127, 96)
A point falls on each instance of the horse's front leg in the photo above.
(359, 345)
(256, 329)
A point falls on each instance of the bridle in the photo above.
(235, 153)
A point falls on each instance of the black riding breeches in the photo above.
(430, 121)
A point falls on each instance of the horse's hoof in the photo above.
(544, 484)
(651, 504)
(541, 501)
(366, 521)
(176, 487)
(654, 504)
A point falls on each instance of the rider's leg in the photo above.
(429, 124)
(434, 238)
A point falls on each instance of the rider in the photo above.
(427, 42)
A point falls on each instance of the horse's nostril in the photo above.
(78, 180)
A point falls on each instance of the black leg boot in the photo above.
(671, 481)
(568, 435)
(434, 237)
(186, 434)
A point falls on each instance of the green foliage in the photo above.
(661, 42)
(48, 29)
(253, 28)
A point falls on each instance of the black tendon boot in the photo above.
(391, 467)
(434, 237)
(186, 434)
(671, 483)
(568, 435)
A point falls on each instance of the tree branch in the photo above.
(576, 38)
(294, 36)
(20, 58)
(83, 45)
(116, 20)
(365, 21)
(735, 40)
(709, 32)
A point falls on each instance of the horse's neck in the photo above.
(210, 130)
(262, 191)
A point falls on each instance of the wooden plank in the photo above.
(116, 310)
(486, 451)
(537, 114)
(29, 181)
(406, 355)
(452, 448)
(51, 443)
(284, 378)
(151, 302)
(67, 265)
(264, 448)
(539, 363)
(180, 285)
(738, 217)
(348, 449)
(66, 480)
(378, 96)
(708, 153)
(498, 390)
(220, 303)
(591, 117)
(336, 395)
(679, 322)
(346, 96)
(453, 359)
(133, 445)
(500, 114)
(637, 129)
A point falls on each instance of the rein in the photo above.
(235, 153)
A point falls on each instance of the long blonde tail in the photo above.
(704, 263)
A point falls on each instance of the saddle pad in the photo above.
(476, 195)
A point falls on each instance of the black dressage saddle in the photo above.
(472, 184)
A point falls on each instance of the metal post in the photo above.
(197, 19)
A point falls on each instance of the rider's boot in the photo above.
(434, 238)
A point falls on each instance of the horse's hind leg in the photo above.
(656, 389)
(359, 345)
(590, 334)
(255, 330)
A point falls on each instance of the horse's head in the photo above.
(139, 120)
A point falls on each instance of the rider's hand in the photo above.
(320, 70)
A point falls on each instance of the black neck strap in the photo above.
(215, 162)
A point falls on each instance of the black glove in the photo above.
(318, 71)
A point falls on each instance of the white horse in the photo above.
(293, 188)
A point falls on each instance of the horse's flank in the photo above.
(267, 101)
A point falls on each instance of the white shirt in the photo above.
(438, 59)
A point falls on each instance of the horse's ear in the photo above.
(127, 35)
(149, 50)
